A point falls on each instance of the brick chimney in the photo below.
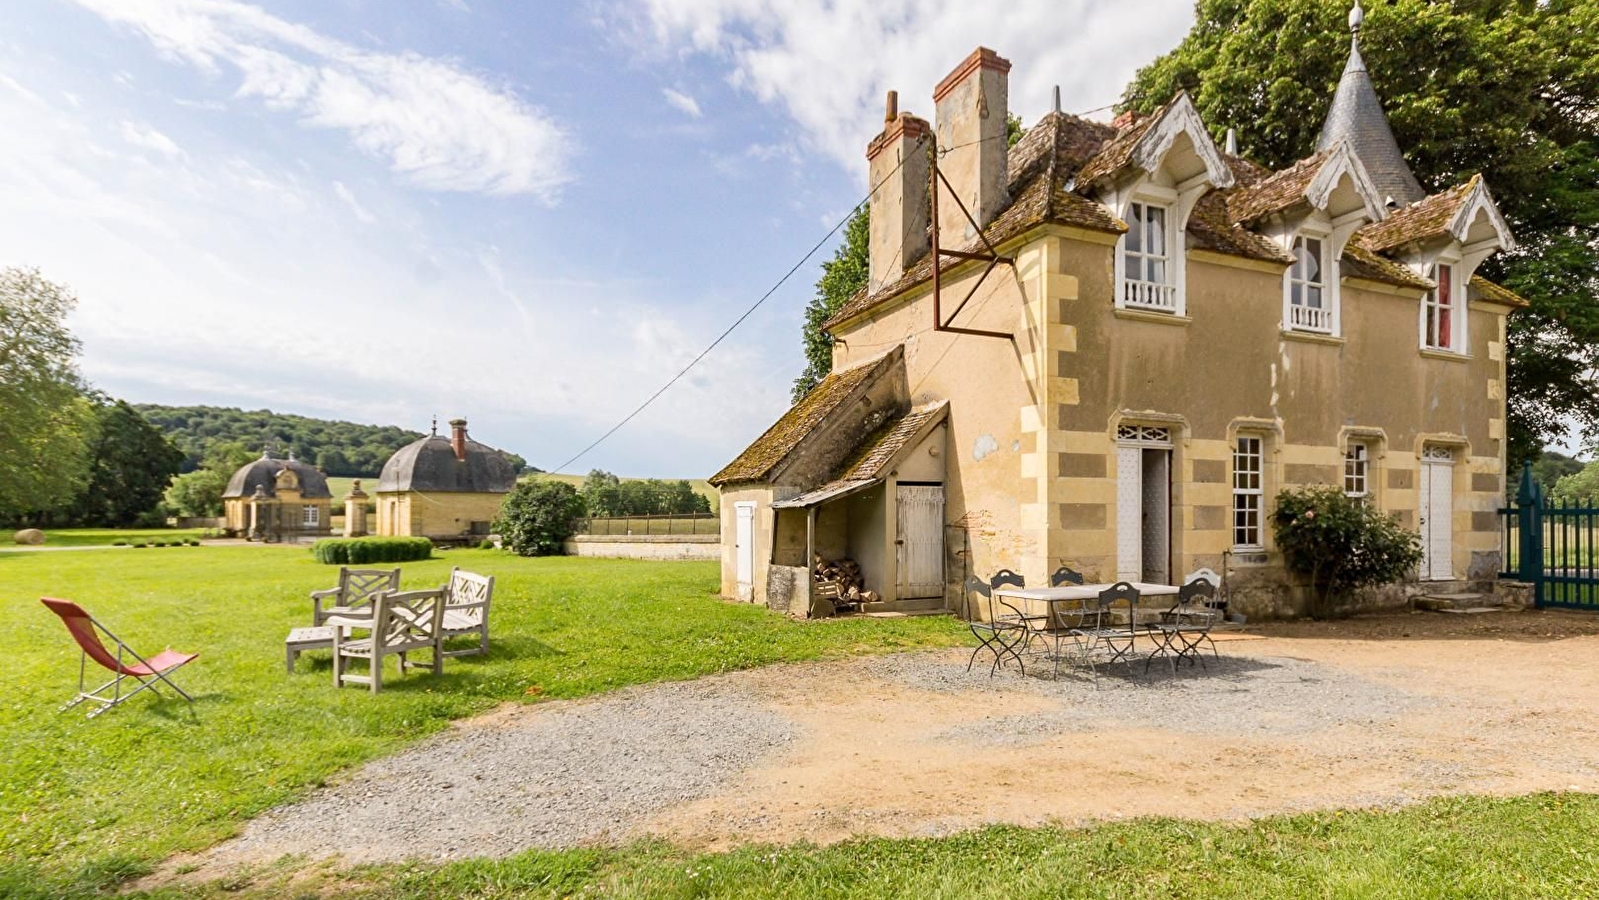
(897, 161)
(970, 107)
(458, 438)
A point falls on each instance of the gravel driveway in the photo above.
(913, 744)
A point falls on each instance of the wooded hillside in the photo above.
(340, 448)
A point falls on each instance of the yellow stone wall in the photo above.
(443, 515)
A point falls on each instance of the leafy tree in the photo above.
(842, 276)
(1547, 470)
(640, 498)
(1014, 130)
(1508, 88)
(130, 465)
(600, 493)
(45, 420)
(1582, 485)
(197, 493)
(538, 516)
(1341, 544)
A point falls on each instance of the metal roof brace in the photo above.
(992, 257)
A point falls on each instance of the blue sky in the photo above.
(529, 214)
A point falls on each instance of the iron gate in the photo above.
(1553, 546)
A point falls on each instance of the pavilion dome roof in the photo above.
(263, 472)
(431, 464)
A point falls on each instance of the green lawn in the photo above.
(1540, 846)
(105, 537)
(85, 803)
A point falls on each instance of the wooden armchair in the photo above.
(355, 591)
(466, 609)
(394, 624)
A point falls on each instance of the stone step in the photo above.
(1458, 602)
(928, 605)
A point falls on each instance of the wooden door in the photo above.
(921, 540)
(1437, 515)
(744, 548)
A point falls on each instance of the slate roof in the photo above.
(1426, 218)
(264, 472)
(430, 465)
(1356, 116)
(762, 456)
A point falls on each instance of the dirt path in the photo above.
(1366, 713)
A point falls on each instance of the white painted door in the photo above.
(921, 540)
(1437, 516)
(744, 548)
(1129, 513)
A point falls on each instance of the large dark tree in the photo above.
(1508, 88)
(130, 465)
(842, 276)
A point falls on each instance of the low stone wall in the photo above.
(640, 546)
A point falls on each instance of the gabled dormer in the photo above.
(1443, 238)
(1311, 210)
(1150, 175)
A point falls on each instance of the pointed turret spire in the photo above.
(1356, 116)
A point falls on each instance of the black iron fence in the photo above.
(694, 523)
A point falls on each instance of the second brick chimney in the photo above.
(458, 438)
(897, 161)
(970, 108)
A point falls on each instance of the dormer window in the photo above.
(1442, 326)
(1148, 280)
(1311, 295)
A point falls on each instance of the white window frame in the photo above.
(1246, 497)
(310, 515)
(1307, 321)
(1165, 296)
(1458, 309)
(1357, 471)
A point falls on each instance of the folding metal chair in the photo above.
(1187, 625)
(127, 664)
(999, 635)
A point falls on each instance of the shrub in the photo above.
(1340, 544)
(119, 543)
(486, 545)
(360, 551)
(538, 515)
(139, 546)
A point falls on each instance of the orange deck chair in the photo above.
(126, 663)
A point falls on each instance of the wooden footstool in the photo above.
(319, 638)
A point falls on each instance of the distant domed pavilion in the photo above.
(273, 499)
(444, 488)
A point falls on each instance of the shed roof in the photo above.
(875, 456)
(762, 456)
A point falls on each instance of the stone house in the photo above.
(277, 499)
(1134, 339)
(448, 489)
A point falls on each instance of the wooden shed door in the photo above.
(921, 540)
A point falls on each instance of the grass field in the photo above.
(339, 487)
(1526, 847)
(84, 803)
(105, 537)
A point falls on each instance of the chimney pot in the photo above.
(458, 438)
(891, 109)
(1057, 98)
(1232, 142)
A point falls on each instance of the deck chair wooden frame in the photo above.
(466, 609)
(126, 664)
(355, 591)
(396, 624)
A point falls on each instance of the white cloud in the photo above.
(436, 124)
(149, 139)
(827, 63)
(683, 102)
(360, 212)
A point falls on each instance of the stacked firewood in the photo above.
(840, 580)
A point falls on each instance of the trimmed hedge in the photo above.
(359, 551)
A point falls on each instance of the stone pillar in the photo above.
(258, 500)
(355, 510)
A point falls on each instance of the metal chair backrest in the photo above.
(1119, 592)
(1065, 575)
(1006, 578)
(1197, 592)
(975, 585)
(1204, 575)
